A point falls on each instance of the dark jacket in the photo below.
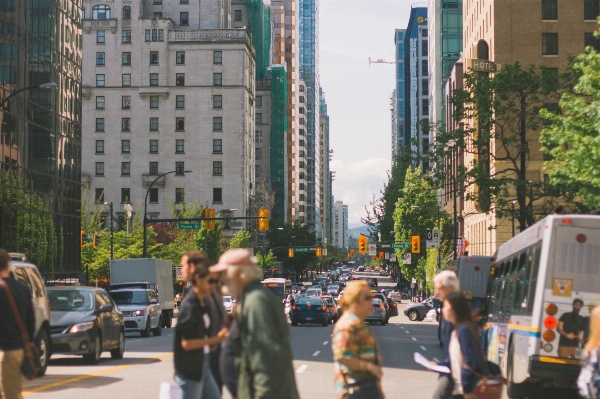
(216, 310)
(262, 347)
(447, 329)
(472, 357)
(190, 325)
(10, 334)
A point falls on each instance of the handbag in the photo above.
(491, 384)
(588, 382)
(31, 359)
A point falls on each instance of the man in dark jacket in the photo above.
(11, 343)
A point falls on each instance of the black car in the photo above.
(418, 311)
(310, 310)
(85, 321)
(393, 307)
(373, 282)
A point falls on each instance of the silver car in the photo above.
(141, 310)
(378, 314)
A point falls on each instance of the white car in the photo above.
(228, 303)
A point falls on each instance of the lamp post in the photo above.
(145, 221)
(513, 218)
(48, 85)
(112, 242)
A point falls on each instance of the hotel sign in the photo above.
(482, 65)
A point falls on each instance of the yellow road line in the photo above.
(86, 376)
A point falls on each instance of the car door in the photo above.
(116, 317)
(104, 321)
(154, 309)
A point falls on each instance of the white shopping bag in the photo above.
(169, 391)
(431, 315)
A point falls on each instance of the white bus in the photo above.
(281, 287)
(535, 278)
(473, 274)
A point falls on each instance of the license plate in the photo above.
(309, 318)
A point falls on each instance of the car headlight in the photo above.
(81, 327)
(137, 313)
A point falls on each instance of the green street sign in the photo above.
(188, 226)
(401, 245)
(301, 249)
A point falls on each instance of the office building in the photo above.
(325, 183)
(340, 227)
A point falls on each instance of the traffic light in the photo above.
(318, 252)
(290, 252)
(381, 256)
(82, 239)
(209, 213)
(351, 252)
(416, 244)
(96, 241)
(263, 221)
(362, 244)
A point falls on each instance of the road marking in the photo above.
(413, 338)
(407, 332)
(301, 369)
(402, 327)
(316, 353)
(86, 376)
(325, 343)
(422, 347)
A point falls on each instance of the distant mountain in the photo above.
(357, 231)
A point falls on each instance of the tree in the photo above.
(293, 235)
(265, 262)
(210, 241)
(573, 138)
(241, 239)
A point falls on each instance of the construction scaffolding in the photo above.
(259, 17)
(278, 142)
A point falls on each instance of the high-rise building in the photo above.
(395, 137)
(40, 182)
(168, 87)
(399, 140)
(325, 200)
(340, 227)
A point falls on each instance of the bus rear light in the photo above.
(566, 221)
(550, 323)
(548, 347)
(551, 309)
(293, 307)
(581, 238)
(549, 335)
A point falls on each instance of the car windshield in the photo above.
(313, 292)
(312, 301)
(129, 297)
(333, 287)
(71, 300)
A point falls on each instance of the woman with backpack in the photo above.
(588, 383)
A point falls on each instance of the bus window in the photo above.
(522, 285)
(535, 265)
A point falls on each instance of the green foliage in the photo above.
(210, 241)
(431, 267)
(293, 235)
(241, 239)
(265, 262)
(573, 139)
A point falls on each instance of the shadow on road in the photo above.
(78, 382)
(78, 361)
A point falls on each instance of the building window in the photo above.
(153, 102)
(425, 87)
(153, 195)
(257, 172)
(157, 14)
(126, 80)
(590, 40)
(218, 123)
(101, 11)
(217, 79)
(125, 124)
(218, 168)
(180, 57)
(217, 57)
(549, 43)
(184, 1)
(425, 106)
(99, 146)
(153, 124)
(100, 58)
(258, 118)
(217, 101)
(258, 136)
(99, 168)
(179, 195)
(217, 195)
(126, 12)
(153, 168)
(179, 123)
(100, 80)
(125, 146)
(549, 9)
(424, 48)
(126, 58)
(125, 168)
(424, 67)
(153, 79)
(237, 15)
(258, 101)
(99, 124)
(100, 36)
(179, 146)
(126, 36)
(125, 196)
(179, 102)
(99, 102)
(184, 19)
(258, 153)
(99, 195)
(591, 9)
(126, 102)
(179, 168)
(153, 146)
(424, 32)
(180, 79)
(154, 58)
(217, 146)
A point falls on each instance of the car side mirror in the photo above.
(106, 308)
(153, 300)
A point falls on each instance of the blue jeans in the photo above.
(190, 389)
(206, 388)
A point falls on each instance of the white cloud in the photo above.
(356, 182)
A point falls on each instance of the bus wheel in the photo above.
(514, 390)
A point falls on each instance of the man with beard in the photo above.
(570, 328)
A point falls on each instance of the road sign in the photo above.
(413, 281)
(178, 274)
(301, 249)
(400, 245)
(392, 257)
(372, 249)
(384, 246)
(407, 259)
(432, 239)
(188, 226)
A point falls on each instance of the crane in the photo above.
(380, 61)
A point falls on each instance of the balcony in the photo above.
(89, 24)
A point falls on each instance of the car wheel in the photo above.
(413, 315)
(157, 332)
(383, 323)
(325, 322)
(513, 390)
(94, 357)
(146, 332)
(294, 323)
(117, 353)
(43, 348)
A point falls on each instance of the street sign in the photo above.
(383, 246)
(392, 257)
(372, 249)
(387, 256)
(178, 274)
(413, 281)
(407, 259)
(432, 239)
(400, 245)
(301, 249)
(188, 226)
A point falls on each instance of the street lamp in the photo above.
(112, 242)
(48, 85)
(145, 222)
(513, 218)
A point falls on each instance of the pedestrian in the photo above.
(570, 328)
(262, 343)
(356, 355)
(588, 382)
(227, 356)
(11, 342)
(192, 342)
(467, 364)
(216, 310)
(445, 283)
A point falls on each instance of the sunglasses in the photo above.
(213, 281)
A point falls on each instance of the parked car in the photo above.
(393, 306)
(228, 303)
(383, 299)
(85, 321)
(396, 296)
(141, 310)
(332, 306)
(310, 310)
(378, 313)
(26, 272)
(383, 273)
(360, 269)
(418, 311)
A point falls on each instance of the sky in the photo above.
(358, 96)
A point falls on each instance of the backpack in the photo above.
(588, 382)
